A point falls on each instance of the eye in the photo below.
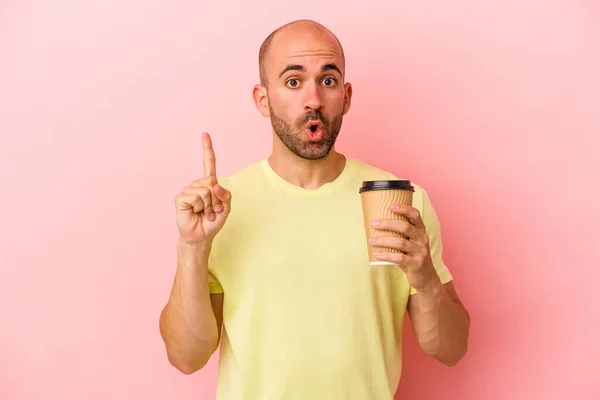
(293, 83)
(329, 82)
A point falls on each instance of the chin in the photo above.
(316, 154)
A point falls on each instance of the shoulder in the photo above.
(243, 177)
(367, 171)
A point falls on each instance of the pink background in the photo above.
(492, 106)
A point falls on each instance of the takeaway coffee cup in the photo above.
(376, 197)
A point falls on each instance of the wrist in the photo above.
(434, 288)
(431, 296)
(200, 246)
(193, 254)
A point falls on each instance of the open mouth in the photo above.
(314, 125)
(314, 130)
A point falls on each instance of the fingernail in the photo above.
(376, 223)
(395, 206)
(372, 240)
(218, 207)
(213, 216)
(377, 254)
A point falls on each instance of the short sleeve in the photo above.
(432, 225)
(214, 286)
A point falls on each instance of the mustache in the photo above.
(312, 116)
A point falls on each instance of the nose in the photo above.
(312, 98)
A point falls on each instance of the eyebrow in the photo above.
(293, 67)
(329, 67)
(297, 67)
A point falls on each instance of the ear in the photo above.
(261, 101)
(347, 96)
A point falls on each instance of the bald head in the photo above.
(298, 27)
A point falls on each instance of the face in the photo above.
(305, 97)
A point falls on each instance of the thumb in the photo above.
(224, 197)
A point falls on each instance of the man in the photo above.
(276, 255)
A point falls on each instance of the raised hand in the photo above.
(204, 205)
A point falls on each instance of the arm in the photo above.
(190, 323)
(440, 321)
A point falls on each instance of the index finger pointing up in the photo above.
(210, 164)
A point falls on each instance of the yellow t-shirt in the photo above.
(305, 316)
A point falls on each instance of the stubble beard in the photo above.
(294, 137)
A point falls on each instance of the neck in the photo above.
(308, 174)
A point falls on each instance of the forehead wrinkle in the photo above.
(308, 53)
(331, 56)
